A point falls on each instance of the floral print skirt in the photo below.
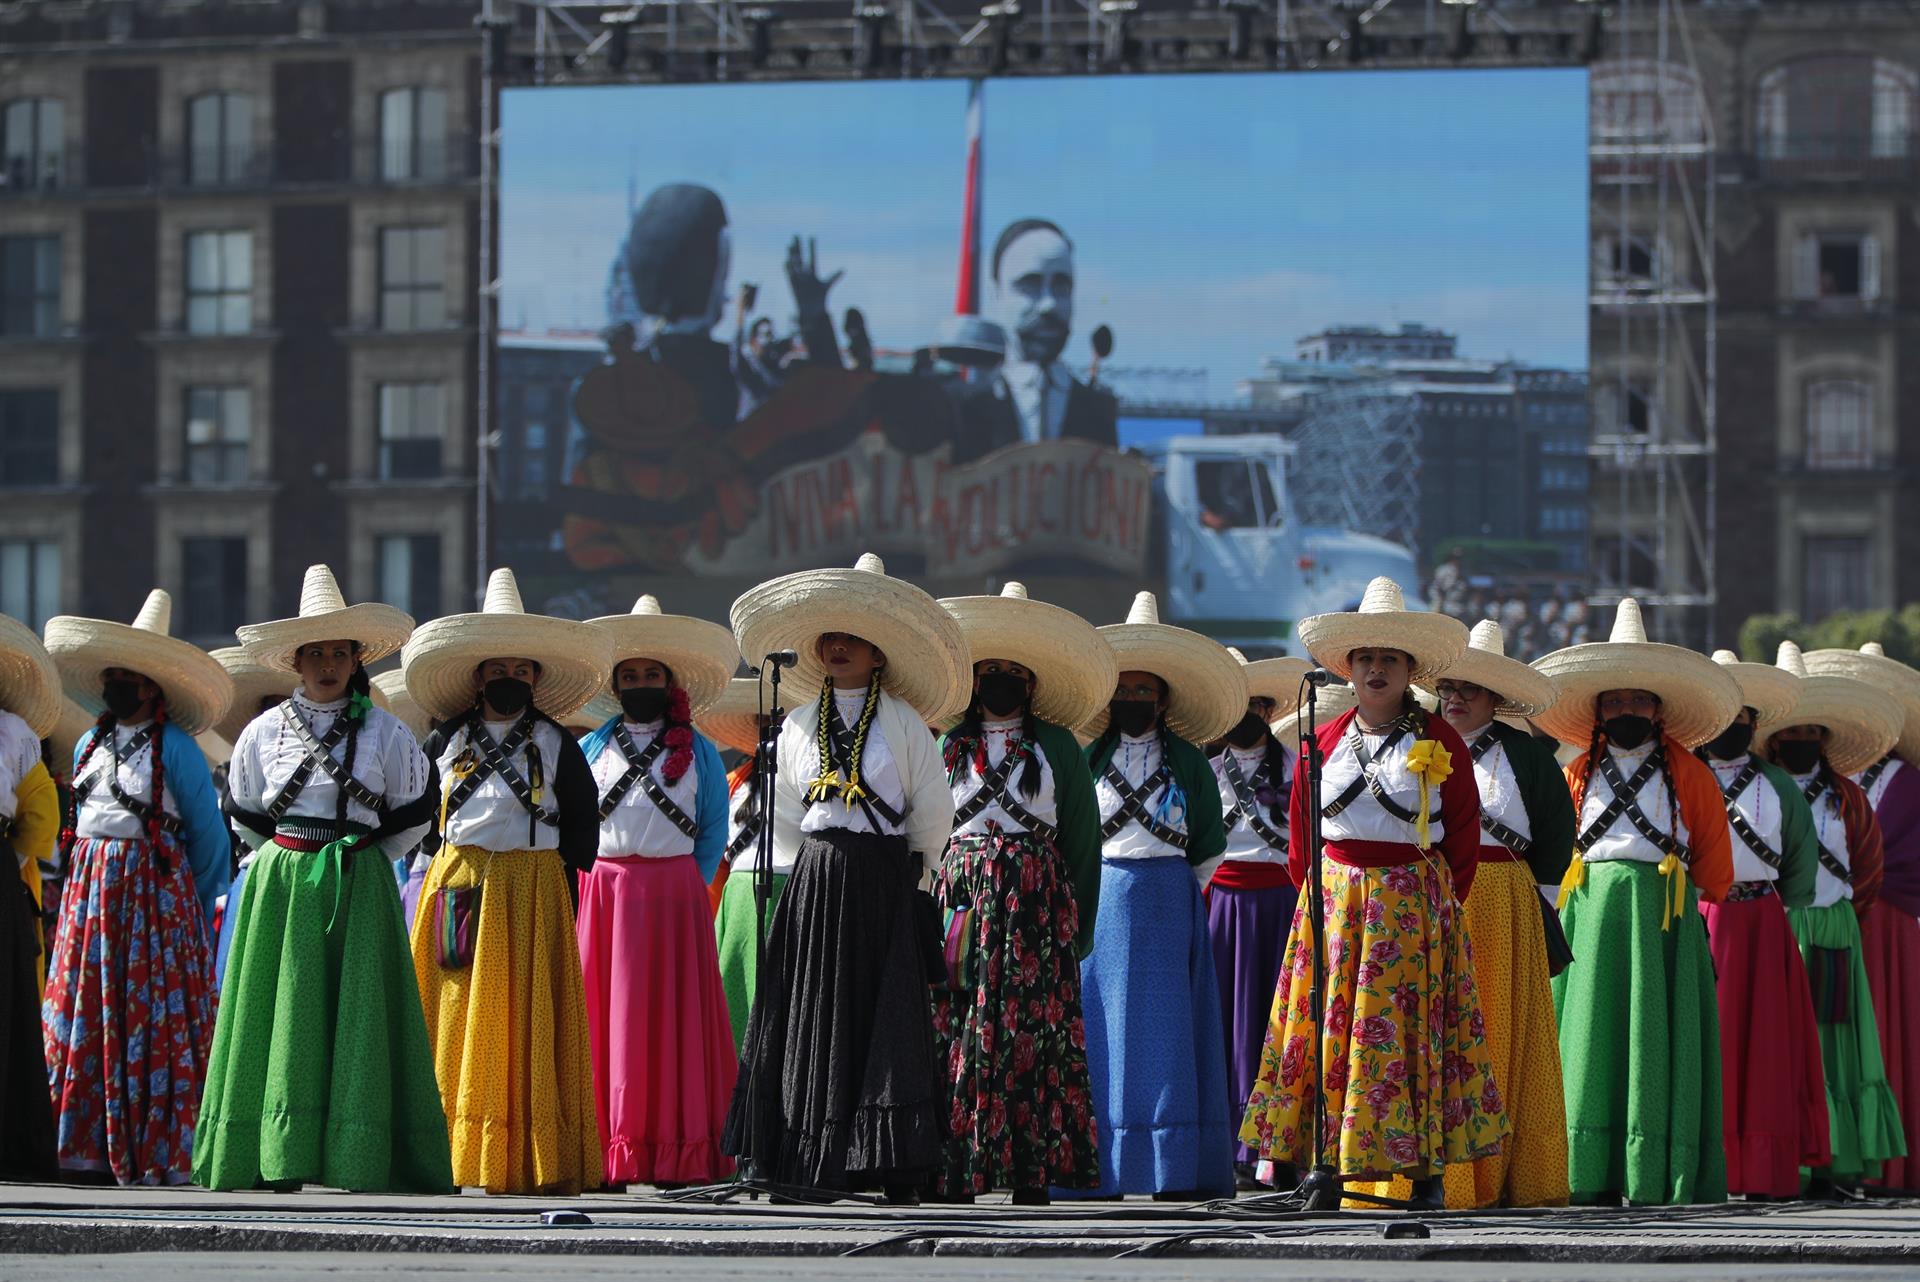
(1408, 1077)
(1009, 1031)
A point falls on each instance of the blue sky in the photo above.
(1215, 218)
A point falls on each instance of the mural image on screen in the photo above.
(1249, 341)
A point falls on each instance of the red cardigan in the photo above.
(1458, 809)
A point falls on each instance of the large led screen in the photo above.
(1245, 340)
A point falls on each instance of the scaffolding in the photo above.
(1654, 317)
(1358, 467)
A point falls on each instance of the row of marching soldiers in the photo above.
(1031, 918)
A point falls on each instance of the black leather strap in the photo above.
(840, 748)
(1836, 866)
(1626, 801)
(491, 758)
(640, 770)
(1366, 780)
(994, 789)
(1738, 822)
(1871, 775)
(1133, 805)
(1488, 824)
(1246, 802)
(320, 752)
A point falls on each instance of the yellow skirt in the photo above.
(509, 1030)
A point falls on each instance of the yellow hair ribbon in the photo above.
(1432, 765)
(1676, 903)
(1576, 876)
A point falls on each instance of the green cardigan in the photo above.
(1543, 790)
(1799, 843)
(1077, 815)
(1206, 829)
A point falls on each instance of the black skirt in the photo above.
(26, 1109)
(838, 1085)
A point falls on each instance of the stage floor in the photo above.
(162, 1234)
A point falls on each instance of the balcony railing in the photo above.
(1831, 158)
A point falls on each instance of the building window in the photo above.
(413, 266)
(219, 139)
(1836, 107)
(1647, 102)
(219, 282)
(1839, 424)
(413, 134)
(30, 580)
(1630, 262)
(1835, 575)
(1896, 102)
(219, 432)
(412, 429)
(1840, 266)
(410, 573)
(33, 139)
(213, 574)
(30, 286)
(29, 437)
(1625, 408)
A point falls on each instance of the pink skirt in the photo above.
(1890, 941)
(663, 1056)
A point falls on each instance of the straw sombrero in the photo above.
(1890, 677)
(594, 713)
(1522, 691)
(926, 655)
(1770, 691)
(392, 686)
(1861, 722)
(1275, 679)
(197, 688)
(253, 682)
(703, 655)
(1383, 622)
(73, 721)
(1072, 664)
(1333, 699)
(733, 719)
(325, 616)
(1698, 697)
(439, 659)
(29, 682)
(1206, 686)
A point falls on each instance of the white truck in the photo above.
(1240, 567)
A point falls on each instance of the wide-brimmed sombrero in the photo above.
(1861, 722)
(1522, 691)
(29, 681)
(1768, 689)
(926, 656)
(1330, 701)
(1206, 686)
(440, 658)
(733, 721)
(594, 713)
(253, 681)
(1383, 622)
(325, 616)
(392, 686)
(1072, 664)
(1275, 679)
(197, 688)
(703, 655)
(1890, 677)
(1698, 698)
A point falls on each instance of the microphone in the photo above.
(1319, 677)
(780, 659)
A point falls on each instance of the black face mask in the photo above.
(644, 703)
(1249, 732)
(122, 697)
(1733, 742)
(1798, 756)
(1628, 732)
(1133, 716)
(1002, 693)
(508, 695)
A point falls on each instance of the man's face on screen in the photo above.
(1036, 293)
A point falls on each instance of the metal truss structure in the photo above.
(1654, 338)
(1358, 467)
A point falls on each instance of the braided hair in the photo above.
(156, 813)
(359, 697)
(972, 730)
(103, 725)
(829, 783)
(1598, 744)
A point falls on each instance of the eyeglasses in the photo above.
(1614, 705)
(1465, 690)
(1144, 693)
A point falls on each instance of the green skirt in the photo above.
(321, 1071)
(1862, 1115)
(739, 960)
(1639, 1042)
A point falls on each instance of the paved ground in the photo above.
(159, 1235)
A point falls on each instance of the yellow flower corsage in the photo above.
(1432, 765)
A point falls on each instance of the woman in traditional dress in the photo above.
(838, 1087)
(663, 1052)
(1020, 884)
(494, 943)
(321, 1071)
(1889, 932)
(29, 822)
(1775, 1102)
(1838, 727)
(1526, 840)
(739, 720)
(1251, 899)
(1156, 1043)
(1638, 1006)
(1402, 1059)
(146, 860)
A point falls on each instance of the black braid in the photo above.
(1673, 793)
(1030, 769)
(357, 684)
(1274, 758)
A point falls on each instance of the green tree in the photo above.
(1761, 635)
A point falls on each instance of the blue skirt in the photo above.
(1156, 1049)
(229, 922)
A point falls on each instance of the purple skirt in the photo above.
(1249, 933)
